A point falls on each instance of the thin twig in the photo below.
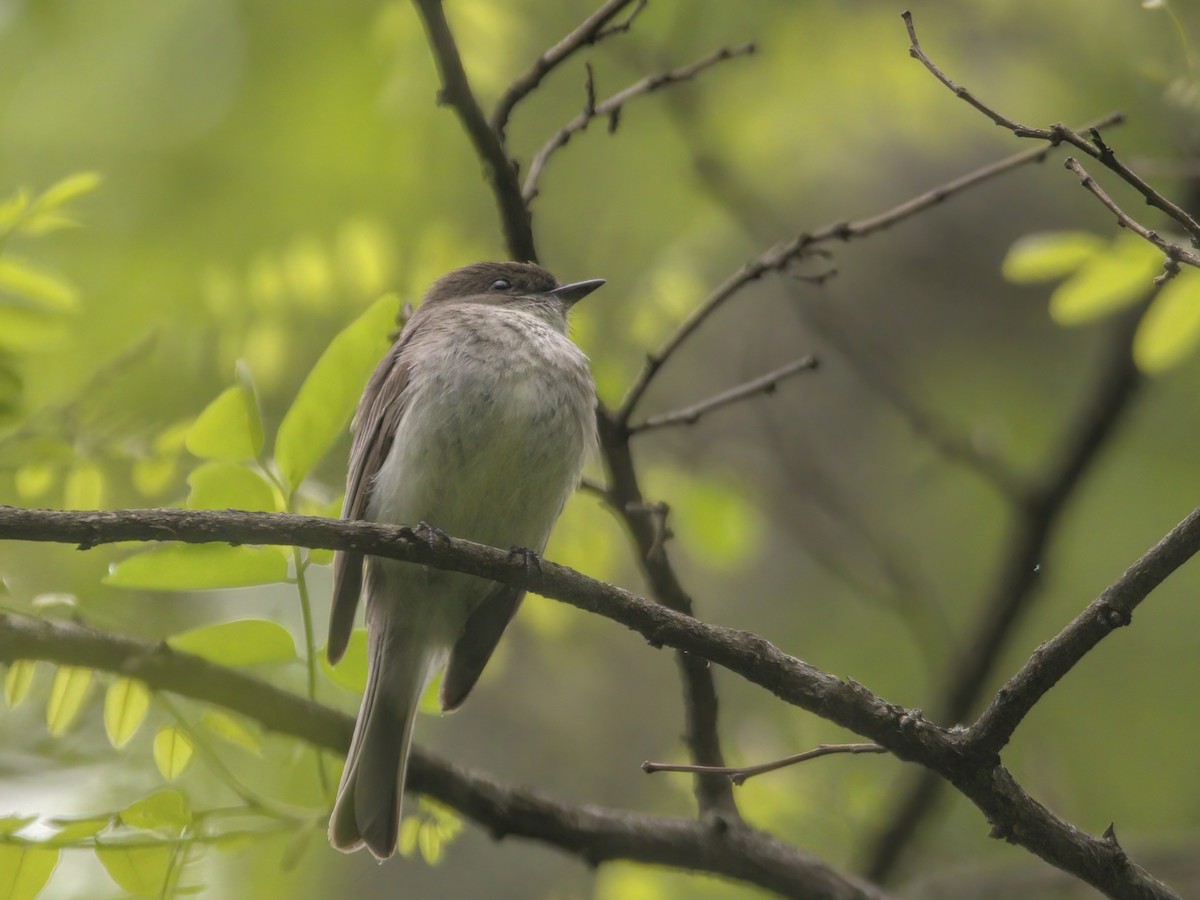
(1171, 250)
(739, 774)
(763, 384)
(501, 172)
(612, 106)
(590, 31)
(1092, 145)
(783, 254)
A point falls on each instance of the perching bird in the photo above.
(477, 422)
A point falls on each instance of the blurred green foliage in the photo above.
(260, 186)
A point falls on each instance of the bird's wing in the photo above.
(379, 413)
(478, 640)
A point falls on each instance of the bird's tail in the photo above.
(367, 809)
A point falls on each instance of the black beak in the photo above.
(570, 294)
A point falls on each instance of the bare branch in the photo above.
(1173, 252)
(590, 31)
(1056, 134)
(515, 220)
(592, 833)
(739, 774)
(1111, 610)
(1014, 815)
(611, 108)
(785, 253)
(763, 384)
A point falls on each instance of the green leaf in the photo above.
(229, 428)
(24, 871)
(1107, 283)
(232, 730)
(247, 642)
(35, 479)
(226, 485)
(173, 751)
(1170, 330)
(152, 475)
(47, 291)
(125, 706)
(67, 189)
(351, 671)
(67, 696)
(17, 681)
(142, 871)
(430, 842)
(164, 810)
(326, 401)
(199, 567)
(22, 330)
(12, 209)
(72, 830)
(1049, 256)
(84, 487)
(410, 830)
(13, 824)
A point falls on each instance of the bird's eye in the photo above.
(500, 284)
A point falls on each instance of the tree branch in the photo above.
(594, 834)
(611, 108)
(763, 384)
(515, 219)
(1014, 815)
(1055, 658)
(1056, 134)
(590, 31)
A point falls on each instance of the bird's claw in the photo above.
(430, 534)
(530, 559)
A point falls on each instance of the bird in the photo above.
(477, 424)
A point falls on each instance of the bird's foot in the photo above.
(530, 559)
(430, 534)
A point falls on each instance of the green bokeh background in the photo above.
(270, 169)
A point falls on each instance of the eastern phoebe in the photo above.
(476, 422)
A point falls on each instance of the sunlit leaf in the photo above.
(12, 209)
(1048, 256)
(229, 428)
(35, 479)
(152, 475)
(1109, 282)
(24, 871)
(326, 400)
(199, 567)
(173, 751)
(430, 842)
(308, 273)
(142, 871)
(24, 329)
(84, 487)
(71, 830)
(246, 642)
(351, 671)
(67, 696)
(125, 706)
(364, 257)
(17, 681)
(46, 290)
(410, 830)
(226, 485)
(67, 189)
(1170, 330)
(232, 730)
(164, 810)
